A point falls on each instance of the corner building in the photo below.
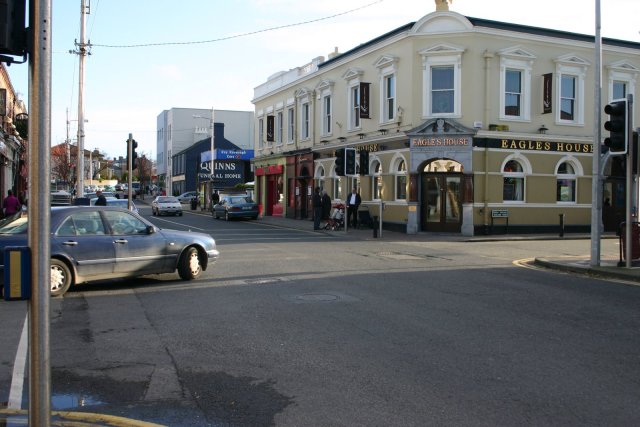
(471, 126)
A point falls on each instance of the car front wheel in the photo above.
(61, 278)
(189, 266)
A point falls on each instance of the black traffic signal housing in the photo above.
(617, 125)
(340, 158)
(13, 31)
(350, 161)
(364, 162)
(134, 154)
(132, 163)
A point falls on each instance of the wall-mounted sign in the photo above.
(547, 80)
(441, 141)
(534, 145)
(3, 102)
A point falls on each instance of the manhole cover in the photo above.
(317, 297)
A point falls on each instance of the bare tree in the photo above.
(63, 159)
(145, 169)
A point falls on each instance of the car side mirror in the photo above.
(151, 229)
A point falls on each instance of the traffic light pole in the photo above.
(129, 169)
(629, 184)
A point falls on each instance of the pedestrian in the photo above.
(11, 204)
(215, 198)
(317, 209)
(102, 201)
(326, 205)
(353, 203)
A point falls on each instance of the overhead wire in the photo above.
(235, 36)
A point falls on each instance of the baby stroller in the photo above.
(336, 219)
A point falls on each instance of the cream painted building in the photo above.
(469, 125)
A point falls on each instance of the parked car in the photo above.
(119, 203)
(90, 243)
(165, 205)
(187, 197)
(235, 206)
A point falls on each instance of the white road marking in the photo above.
(17, 381)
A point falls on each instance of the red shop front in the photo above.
(272, 189)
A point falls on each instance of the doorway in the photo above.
(441, 196)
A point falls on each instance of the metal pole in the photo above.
(596, 176)
(380, 223)
(38, 235)
(629, 184)
(82, 52)
(213, 156)
(129, 170)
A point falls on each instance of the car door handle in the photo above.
(70, 243)
(121, 241)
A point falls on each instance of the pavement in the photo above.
(607, 269)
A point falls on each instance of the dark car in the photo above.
(235, 206)
(90, 243)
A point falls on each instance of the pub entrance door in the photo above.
(441, 207)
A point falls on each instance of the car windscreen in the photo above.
(167, 200)
(16, 224)
(239, 200)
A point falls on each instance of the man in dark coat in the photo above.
(317, 209)
(102, 201)
(326, 205)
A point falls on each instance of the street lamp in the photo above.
(213, 151)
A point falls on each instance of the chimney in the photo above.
(443, 5)
(334, 53)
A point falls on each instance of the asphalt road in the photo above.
(296, 328)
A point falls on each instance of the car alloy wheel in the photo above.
(189, 266)
(61, 277)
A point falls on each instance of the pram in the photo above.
(336, 219)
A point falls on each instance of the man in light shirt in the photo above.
(353, 203)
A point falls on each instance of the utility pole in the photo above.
(82, 51)
(596, 174)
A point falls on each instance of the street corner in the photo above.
(75, 419)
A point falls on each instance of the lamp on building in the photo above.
(361, 135)
(342, 139)
(542, 129)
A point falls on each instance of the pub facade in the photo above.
(466, 125)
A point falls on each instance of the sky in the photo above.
(213, 53)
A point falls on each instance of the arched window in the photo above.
(376, 181)
(513, 182)
(320, 177)
(401, 180)
(566, 183)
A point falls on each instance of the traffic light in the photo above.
(350, 161)
(133, 164)
(134, 155)
(13, 32)
(340, 161)
(617, 126)
(364, 162)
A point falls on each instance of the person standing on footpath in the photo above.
(326, 205)
(317, 209)
(102, 201)
(353, 203)
(11, 204)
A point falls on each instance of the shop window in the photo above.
(566, 183)
(376, 181)
(401, 180)
(513, 182)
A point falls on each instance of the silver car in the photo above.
(166, 205)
